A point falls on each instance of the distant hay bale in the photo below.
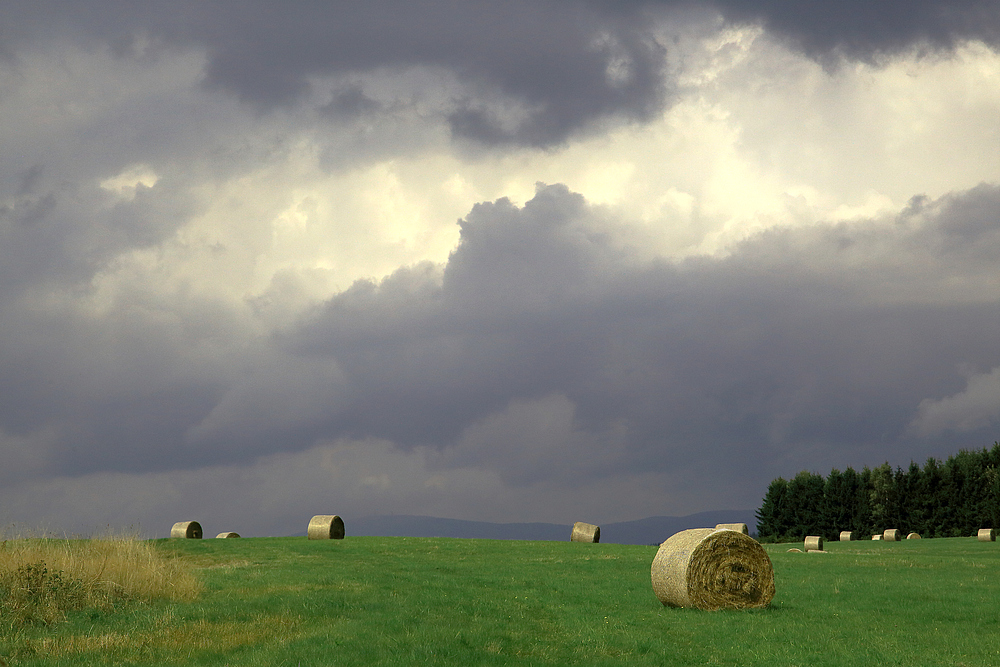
(738, 527)
(987, 535)
(913, 536)
(326, 527)
(190, 530)
(223, 535)
(846, 536)
(877, 537)
(793, 550)
(891, 535)
(585, 532)
(816, 551)
(814, 542)
(712, 569)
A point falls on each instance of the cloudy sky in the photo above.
(548, 260)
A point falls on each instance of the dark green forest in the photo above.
(942, 499)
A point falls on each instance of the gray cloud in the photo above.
(865, 30)
(142, 215)
(533, 73)
(547, 350)
(563, 69)
(824, 338)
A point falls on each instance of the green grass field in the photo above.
(370, 600)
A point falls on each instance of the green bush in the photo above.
(34, 594)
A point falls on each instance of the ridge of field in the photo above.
(651, 530)
(403, 601)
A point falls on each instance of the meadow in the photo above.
(442, 601)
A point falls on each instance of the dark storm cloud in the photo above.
(833, 345)
(824, 340)
(863, 30)
(562, 65)
(824, 346)
(534, 72)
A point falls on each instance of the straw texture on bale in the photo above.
(585, 532)
(712, 569)
(814, 542)
(227, 535)
(326, 527)
(891, 535)
(913, 536)
(738, 527)
(987, 535)
(186, 529)
(846, 536)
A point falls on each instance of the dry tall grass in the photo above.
(42, 578)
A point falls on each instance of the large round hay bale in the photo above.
(814, 542)
(987, 535)
(326, 527)
(913, 536)
(712, 569)
(186, 529)
(891, 535)
(846, 536)
(227, 535)
(585, 532)
(738, 527)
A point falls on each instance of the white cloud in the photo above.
(124, 185)
(975, 407)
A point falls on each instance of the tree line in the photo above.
(942, 499)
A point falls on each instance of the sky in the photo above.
(506, 261)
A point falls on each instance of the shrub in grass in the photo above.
(41, 579)
(34, 594)
(712, 569)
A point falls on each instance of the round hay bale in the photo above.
(738, 527)
(814, 542)
(817, 551)
(190, 530)
(891, 535)
(913, 536)
(326, 527)
(585, 532)
(793, 550)
(877, 537)
(225, 535)
(987, 535)
(846, 536)
(712, 569)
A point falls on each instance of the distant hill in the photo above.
(652, 530)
